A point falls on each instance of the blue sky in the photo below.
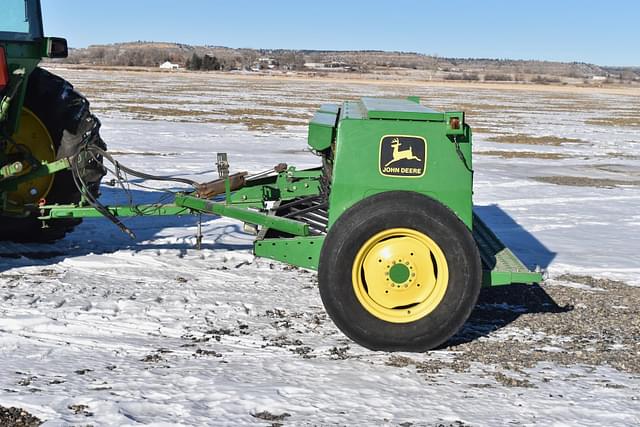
(605, 33)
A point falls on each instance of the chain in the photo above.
(460, 155)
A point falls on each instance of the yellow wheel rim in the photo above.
(400, 275)
(32, 136)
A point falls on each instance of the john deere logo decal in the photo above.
(404, 156)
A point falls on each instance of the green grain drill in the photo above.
(387, 220)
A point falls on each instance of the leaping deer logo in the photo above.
(399, 154)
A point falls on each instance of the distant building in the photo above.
(169, 66)
(333, 65)
(314, 65)
(264, 63)
(337, 64)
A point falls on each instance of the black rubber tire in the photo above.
(399, 209)
(66, 115)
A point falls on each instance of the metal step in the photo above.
(499, 264)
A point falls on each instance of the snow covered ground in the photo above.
(109, 331)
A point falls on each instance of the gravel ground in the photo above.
(571, 320)
(15, 417)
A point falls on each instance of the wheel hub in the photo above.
(32, 137)
(400, 275)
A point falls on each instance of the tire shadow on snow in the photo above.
(500, 306)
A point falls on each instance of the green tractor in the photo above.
(43, 120)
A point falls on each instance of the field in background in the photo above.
(598, 129)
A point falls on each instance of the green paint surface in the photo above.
(399, 273)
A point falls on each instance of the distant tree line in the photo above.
(131, 57)
(203, 63)
(220, 58)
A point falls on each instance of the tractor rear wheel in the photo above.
(53, 123)
(399, 271)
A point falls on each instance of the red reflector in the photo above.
(4, 70)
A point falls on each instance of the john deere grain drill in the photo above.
(387, 220)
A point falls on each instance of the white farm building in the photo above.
(169, 66)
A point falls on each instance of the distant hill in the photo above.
(152, 54)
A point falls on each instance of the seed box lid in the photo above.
(399, 109)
